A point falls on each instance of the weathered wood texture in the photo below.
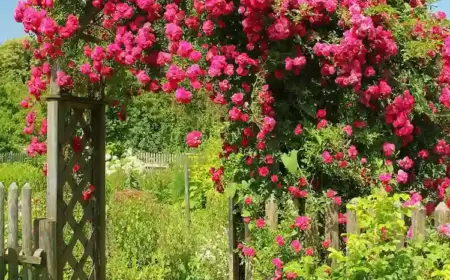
(76, 138)
(272, 213)
(13, 223)
(47, 239)
(233, 258)
(29, 255)
(332, 227)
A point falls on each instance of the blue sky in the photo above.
(9, 29)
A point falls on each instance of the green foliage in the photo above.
(199, 165)
(14, 70)
(23, 173)
(157, 182)
(374, 254)
(209, 230)
(14, 61)
(150, 240)
(155, 123)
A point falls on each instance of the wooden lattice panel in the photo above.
(79, 238)
(78, 162)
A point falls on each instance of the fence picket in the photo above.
(272, 213)
(332, 227)
(27, 241)
(13, 213)
(233, 258)
(441, 214)
(247, 264)
(2, 232)
(47, 240)
(418, 222)
(352, 222)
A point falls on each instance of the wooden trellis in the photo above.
(76, 160)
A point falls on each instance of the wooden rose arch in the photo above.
(76, 197)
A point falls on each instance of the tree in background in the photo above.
(150, 124)
(155, 123)
(14, 72)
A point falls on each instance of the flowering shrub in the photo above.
(128, 163)
(375, 253)
(166, 249)
(372, 254)
(325, 99)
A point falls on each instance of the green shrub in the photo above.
(23, 173)
(374, 254)
(157, 182)
(116, 181)
(200, 182)
(150, 240)
(209, 228)
(143, 233)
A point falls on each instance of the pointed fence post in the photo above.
(441, 214)
(418, 219)
(2, 232)
(27, 239)
(233, 258)
(332, 227)
(13, 245)
(272, 213)
(352, 221)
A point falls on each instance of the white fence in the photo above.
(158, 160)
(152, 160)
(14, 157)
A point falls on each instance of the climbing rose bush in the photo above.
(325, 99)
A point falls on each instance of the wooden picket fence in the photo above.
(331, 229)
(28, 259)
(14, 157)
(161, 160)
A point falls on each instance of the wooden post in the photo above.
(312, 236)
(36, 246)
(67, 117)
(332, 227)
(352, 221)
(233, 258)
(47, 240)
(418, 223)
(55, 164)
(36, 233)
(98, 123)
(13, 222)
(272, 213)
(247, 265)
(27, 241)
(55, 160)
(441, 214)
(2, 232)
(187, 198)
